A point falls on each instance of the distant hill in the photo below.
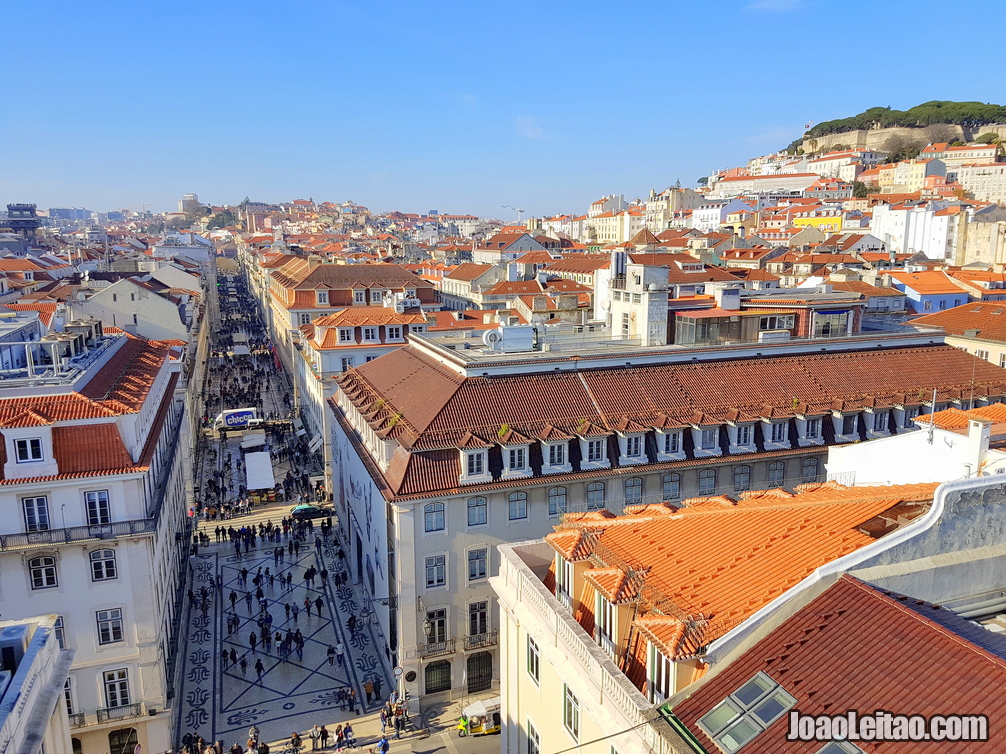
(929, 122)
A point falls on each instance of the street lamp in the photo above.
(428, 628)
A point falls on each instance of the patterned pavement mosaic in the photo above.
(221, 702)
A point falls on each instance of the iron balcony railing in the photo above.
(77, 534)
(105, 714)
(437, 648)
(480, 641)
(77, 720)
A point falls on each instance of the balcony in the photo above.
(437, 648)
(119, 713)
(70, 534)
(77, 720)
(483, 640)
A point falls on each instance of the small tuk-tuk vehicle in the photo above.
(480, 718)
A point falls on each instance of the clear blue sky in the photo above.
(460, 107)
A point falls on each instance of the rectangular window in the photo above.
(556, 501)
(556, 454)
(533, 739)
(517, 502)
(109, 627)
(375, 297)
(345, 335)
(595, 450)
(59, 630)
(517, 458)
(533, 660)
(744, 434)
(28, 451)
(849, 424)
(436, 570)
(438, 625)
(595, 496)
(659, 676)
(305, 318)
(478, 565)
(116, 688)
(672, 442)
(779, 431)
(634, 446)
(476, 463)
(671, 486)
(813, 429)
(478, 511)
(394, 333)
(571, 713)
(709, 437)
(68, 694)
(1002, 361)
(433, 517)
(982, 354)
(605, 625)
(322, 298)
(36, 513)
(98, 509)
(747, 712)
(359, 297)
(370, 333)
(911, 414)
(880, 421)
(347, 363)
(478, 618)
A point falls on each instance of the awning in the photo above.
(258, 472)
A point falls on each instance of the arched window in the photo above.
(556, 501)
(810, 466)
(707, 481)
(102, 565)
(518, 505)
(672, 486)
(43, 572)
(633, 490)
(742, 478)
(478, 511)
(438, 676)
(776, 473)
(595, 496)
(433, 513)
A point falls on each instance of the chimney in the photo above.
(976, 445)
(512, 272)
(728, 298)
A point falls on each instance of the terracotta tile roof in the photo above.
(89, 447)
(988, 318)
(867, 290)
(859, 647)
(712, 566)
(930, 282)
(581, 264)
(45, 311)
(468, 271)
(368, 315)
(955, 418)
(438, 406)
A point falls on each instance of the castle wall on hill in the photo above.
(875, 138)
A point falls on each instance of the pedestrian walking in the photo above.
(331, 655)
(340, 653)
(384, 719)
(244, 666)
(368, 689)
(318, 603)
(259, 668)
(252, 641)
(295, 609)
(234, 656)
(233, 598)
(248, 601)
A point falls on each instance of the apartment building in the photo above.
(443, 452)
(94, 454)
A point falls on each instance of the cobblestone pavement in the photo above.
(221, 702)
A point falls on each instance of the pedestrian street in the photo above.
(221, 699)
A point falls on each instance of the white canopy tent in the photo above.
(258, 471)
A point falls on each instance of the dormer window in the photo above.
(370, 334)
(515, 460)
(778, 432)
(359, 297)
(376, 296)
(345, 334)
(670, 445)
(846, 427)
(741, 438)
(321, 298)
(28, 450)
(812, 429)
(393, 332)
(708, 438)
(880, 422)
(595, 450)
(476, 463)
(632, 448)
(557, 454)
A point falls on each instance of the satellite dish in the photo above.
(492, 337)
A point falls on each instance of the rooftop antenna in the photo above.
(971, 400)
(932, 420)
